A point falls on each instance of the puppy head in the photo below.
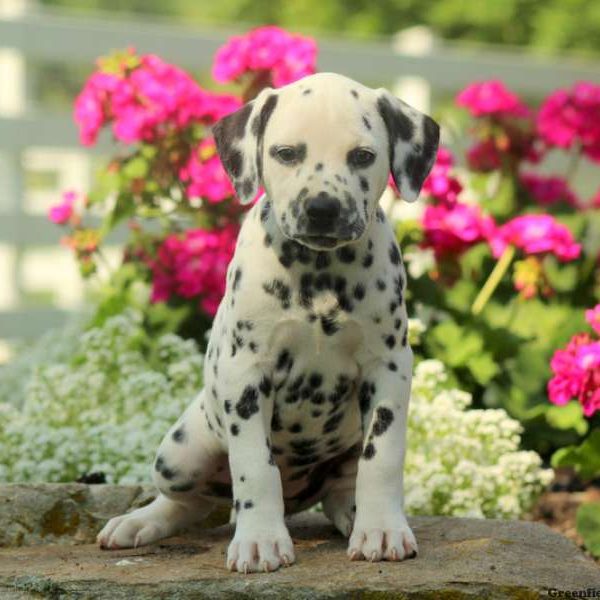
(323, 148)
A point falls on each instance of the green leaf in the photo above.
(588, 526)
(585, 457)
(562, 277)
(483, 368)
(136, 168)
(569, 416)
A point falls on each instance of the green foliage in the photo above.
(552, 25)
(585, 458)
(588, 526)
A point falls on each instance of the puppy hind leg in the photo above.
(186, 458)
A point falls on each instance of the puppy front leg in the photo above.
(261, 541)
(380, 527)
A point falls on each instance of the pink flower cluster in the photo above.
(572, 117)
(62, 213)
(450, 230)
(204, 174)
(194, 265)
(548, 190)
(441, 184)
(576, 370)
(535, 234)
(145, 102)
(288, 57)
(449, 226)
(484, 156)
(491, 98)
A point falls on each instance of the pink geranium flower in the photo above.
(271, 49)
(146, 102)
(548, 189)
(484, 156)
(62, 213)
(536, 234)
(451, 229)
(204, 174)
(491, 98)
(576, 374)
(194, 265)
(440, 183)
(572, 117)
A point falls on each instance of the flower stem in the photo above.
(493, 280)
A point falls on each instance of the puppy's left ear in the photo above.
(239, 139)
(413, 143)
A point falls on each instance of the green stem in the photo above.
(493, 280)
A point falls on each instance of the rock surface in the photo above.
(459, 558)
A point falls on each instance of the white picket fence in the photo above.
(34, 141)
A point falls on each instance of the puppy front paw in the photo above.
(260, 550)
(377, 541)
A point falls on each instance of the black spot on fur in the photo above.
(179, 435)
(248, 504)
(319, 166)
(306, 92)
(234, 429)
(364, 184)
(392, 366)
(367, 261)
(390, 341)
(359, 291)
(315, 380)
(333, 422)
(284, 361)
(268, 240)
(265, 386)
(329, 325)
(346, 254)
(237, 278)
(381, 285)
(322, 261)
(364, 397)
(279, 290)
(354, 93)
(295, 428)
(248, 402)
(318, 398)
(369, 451)
(394, 253)
(366, 122)
(265, 209)
(384, 418)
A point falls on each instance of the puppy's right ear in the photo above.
(239, 139)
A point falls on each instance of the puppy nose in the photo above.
(323, 207)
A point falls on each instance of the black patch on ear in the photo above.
(417, 165)
(396, 122)
(226, 132)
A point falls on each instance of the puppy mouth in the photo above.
(318, 241)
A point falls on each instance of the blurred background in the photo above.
(426, 50)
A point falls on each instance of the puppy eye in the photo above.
(286, 154)
(361, 157)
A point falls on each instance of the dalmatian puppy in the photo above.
(308, 369)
